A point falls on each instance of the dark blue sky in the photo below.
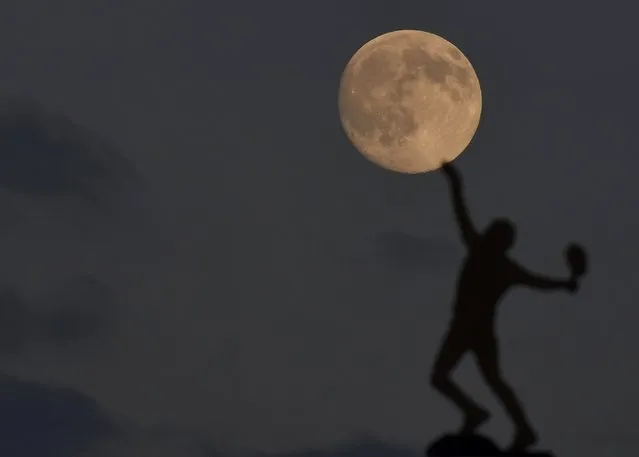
(191, 241)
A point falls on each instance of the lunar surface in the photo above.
(409, 100)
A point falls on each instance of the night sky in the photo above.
(196, 262)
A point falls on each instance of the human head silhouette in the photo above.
(500, 234)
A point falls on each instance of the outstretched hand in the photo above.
(450, 170)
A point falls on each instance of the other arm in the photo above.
(537, 281)
(464, 222)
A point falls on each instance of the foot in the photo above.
(524, 438)
(473, 420)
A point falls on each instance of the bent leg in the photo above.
(454, 346)
(487, 356)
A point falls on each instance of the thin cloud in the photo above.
(80, 310)
(37, 420)
(410, 252)
(43, 154)
(64, 422)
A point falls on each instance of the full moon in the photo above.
(409, 100)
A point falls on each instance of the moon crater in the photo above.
(409, 100)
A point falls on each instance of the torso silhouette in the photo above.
(485, 277)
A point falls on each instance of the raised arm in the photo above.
(525, 277)
(468, 232)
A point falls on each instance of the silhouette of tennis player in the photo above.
(486, 275)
